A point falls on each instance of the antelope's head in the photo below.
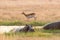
(23, 13)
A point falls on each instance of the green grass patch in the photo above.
(37, 33)
(18, 23)
(8, 23)
(36, 23)
(51, 31)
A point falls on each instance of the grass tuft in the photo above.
(18, 23)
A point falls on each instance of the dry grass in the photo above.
(37, 35)
(3, 37)
(11, 11)
(44, 12)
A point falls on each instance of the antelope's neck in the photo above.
(24, 14)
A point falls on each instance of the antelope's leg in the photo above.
(35, 18)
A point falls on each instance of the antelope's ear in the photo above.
(31, 25)
(26, 24)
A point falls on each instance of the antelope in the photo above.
(28, 16)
